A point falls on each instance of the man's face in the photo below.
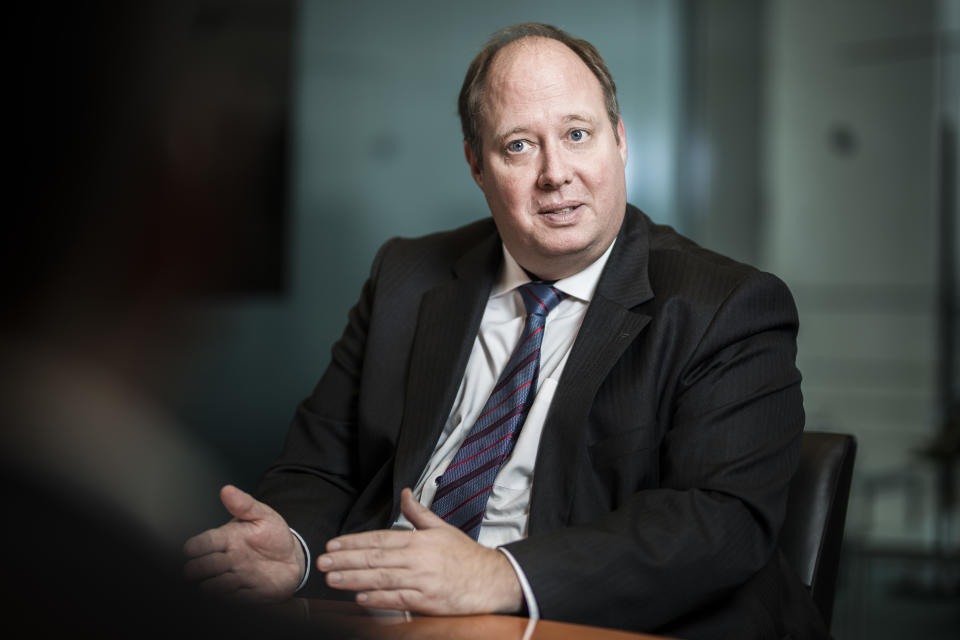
(552, 168)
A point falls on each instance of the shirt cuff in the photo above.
(306, 558)
(533, 611)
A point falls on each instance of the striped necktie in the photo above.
(464, 488)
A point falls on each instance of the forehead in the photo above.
(535, 76)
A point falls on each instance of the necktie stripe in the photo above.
(468, 480)
(533, 334)
(472, 523)
(539, 301)
(493, 426)
(526, 362)
(510, 395)
(453, 466)
(493, 462)
(467, 501)
(543, 305)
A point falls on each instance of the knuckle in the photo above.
(375, 558)
(385, 578)
(380, 599)
(408, 599)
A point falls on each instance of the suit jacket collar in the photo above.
(448, 322)
(626, 278)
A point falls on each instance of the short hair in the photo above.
(470, 101)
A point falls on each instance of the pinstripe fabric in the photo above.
(465, 486)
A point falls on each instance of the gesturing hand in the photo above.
(253, 557)
(436, 569)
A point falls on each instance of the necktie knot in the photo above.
(540, 297)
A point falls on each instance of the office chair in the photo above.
(816, 510)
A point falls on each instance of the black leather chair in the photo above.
(816, 510)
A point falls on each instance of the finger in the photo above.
(207, 566)
(382, 539)
(223, 584)
(242, 505)
(398, 599)
(363, 559)
(418, 515)
(370, 579)
(210, 541)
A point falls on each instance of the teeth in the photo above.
(564, 210)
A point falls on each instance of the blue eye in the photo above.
(516, 146)
(577, 135)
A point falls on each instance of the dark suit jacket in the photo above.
(662, 473)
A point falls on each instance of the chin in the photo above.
(565, 242)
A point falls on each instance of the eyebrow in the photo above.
(572, 117)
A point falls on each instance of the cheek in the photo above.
(509, 189)
(605, 181)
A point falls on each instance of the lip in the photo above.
(560, 208)
(562, 214)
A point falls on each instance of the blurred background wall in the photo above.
(814, 139)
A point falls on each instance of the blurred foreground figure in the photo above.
(100, 483)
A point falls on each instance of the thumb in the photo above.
(418, 515)
(242, 505)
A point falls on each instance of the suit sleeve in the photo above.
(317, 476)
(730, 444)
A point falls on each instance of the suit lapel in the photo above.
(447, 325)
(609, 327)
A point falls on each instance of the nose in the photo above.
(554, 171)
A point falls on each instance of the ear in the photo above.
(622, 145)
(475, 169)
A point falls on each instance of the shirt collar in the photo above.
(580, 285)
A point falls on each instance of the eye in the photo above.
(577, 135)
(516, 146)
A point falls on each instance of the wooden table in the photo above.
(355, 621)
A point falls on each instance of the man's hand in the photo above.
(253, 557)
(437, 569)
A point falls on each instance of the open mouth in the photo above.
(561, 210)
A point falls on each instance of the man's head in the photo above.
(471, 93)
(546, 146)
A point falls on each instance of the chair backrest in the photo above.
(816, 510)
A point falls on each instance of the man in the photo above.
(647, 485)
